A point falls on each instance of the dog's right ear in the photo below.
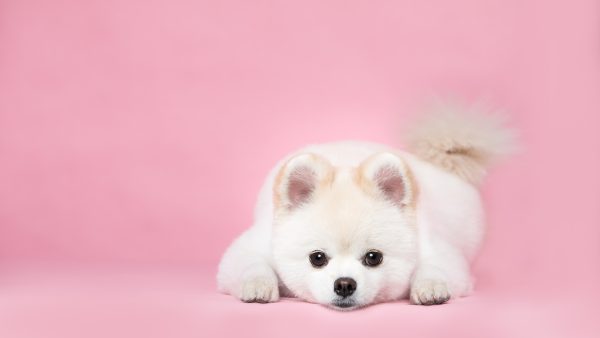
(299, 178)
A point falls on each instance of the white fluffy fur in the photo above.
(329, 197)
(461, 139)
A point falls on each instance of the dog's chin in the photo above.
(344, 305)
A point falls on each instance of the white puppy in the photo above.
(350, 224)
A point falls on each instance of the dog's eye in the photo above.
(373, 258)
(318, 259)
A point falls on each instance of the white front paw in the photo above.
(260, 289)
(429, 292)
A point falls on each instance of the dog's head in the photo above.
(345, 237)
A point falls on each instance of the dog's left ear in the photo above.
(386, 175)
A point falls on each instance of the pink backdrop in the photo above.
(134, 136)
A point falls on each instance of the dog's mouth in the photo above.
(344, 304)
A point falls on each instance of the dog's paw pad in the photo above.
(429, 292)
(260, 290)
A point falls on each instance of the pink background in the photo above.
(134, 136)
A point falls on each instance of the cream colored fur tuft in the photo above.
(462, 140)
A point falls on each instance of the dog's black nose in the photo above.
(344, 286)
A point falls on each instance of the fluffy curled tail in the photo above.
(462, 140)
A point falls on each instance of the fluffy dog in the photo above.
(350, 224)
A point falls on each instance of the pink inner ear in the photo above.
(301, 185)
(391, 183)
